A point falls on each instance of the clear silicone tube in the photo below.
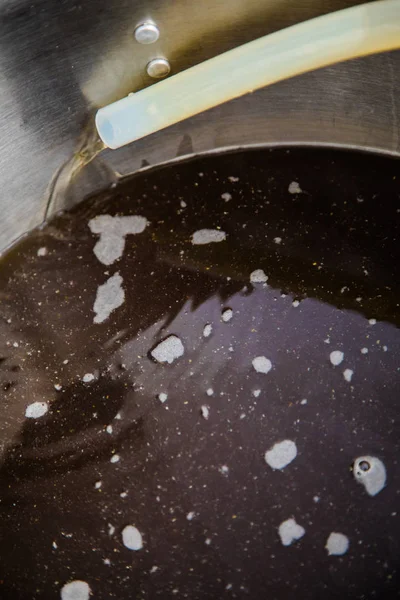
(339, 36)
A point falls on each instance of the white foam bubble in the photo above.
(154, 569)
(190, 516)
(163, 397)
(132, 538)
(207, 331)
(88, 377)
(168, 350)
(281, 454)
(295, 303)
(258, 276)
(364, 350)
(337, 544)
(294, 188)
(42, 251)
(371, 473)
(226, 196)
(36, 410)
(115, 458)
(227, 315)
(277, 240)
(348, 374)
(109, 297)
(336, 357)
(372, 321)
(205, 411)
(75, 590)
(208, 236)
(256, 393)
(113, 231)
(290, 531)
(209, 392)
(262, 364)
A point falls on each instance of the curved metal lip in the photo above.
(266, 145)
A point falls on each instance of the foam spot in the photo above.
(295, 303)
(163, 397)
(210, 392)
(348, 374)
(113, 231)
(256, 393)
(277, 240)
(371, 473)
(294, 188)
(154, 569)
(364, 350)
(132, 538)
(168, 350)
(205, 412)
(337, 544)
(281, 454)
(109, 297)
(258, 276)
(36, 410)
(42, 251)
(207, 236)
(75, 590)
(226, 196)
(227, 315)
(224, 470)
(372, 321)
(290, 531)
(207, 331)
(115, 458)
(233, 179)
(336, 357)
(88, 377)
(262, 364)
(190, 516)
(303, 402)
(58, 387)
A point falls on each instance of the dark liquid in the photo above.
(335, 248)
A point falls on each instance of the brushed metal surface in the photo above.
(59, 60)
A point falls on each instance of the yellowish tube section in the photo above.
(343, 35)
